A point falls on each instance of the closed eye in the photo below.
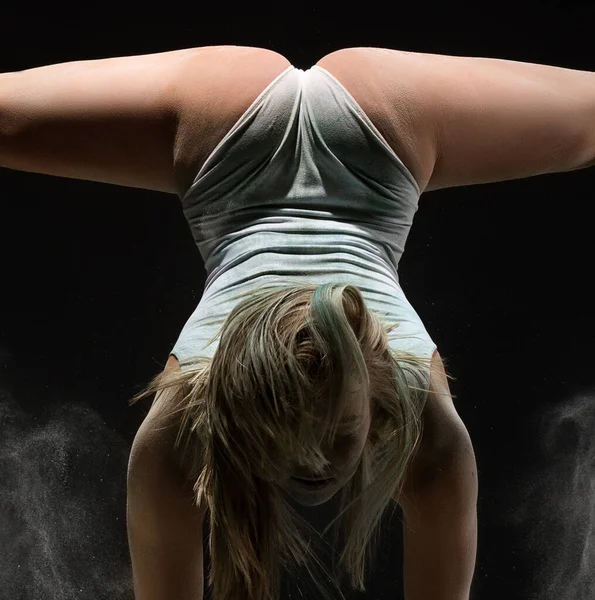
(350, 425)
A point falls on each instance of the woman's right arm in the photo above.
(164, 526)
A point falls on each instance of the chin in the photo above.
(306, 497)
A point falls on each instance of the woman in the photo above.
(304, 371)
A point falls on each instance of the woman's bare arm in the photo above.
(439, 501)
(164, 525)
(440, 529)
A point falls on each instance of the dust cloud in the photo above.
(554, 503)
(62, 504)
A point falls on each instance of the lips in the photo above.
(312, 484)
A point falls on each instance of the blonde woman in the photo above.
(304, 372)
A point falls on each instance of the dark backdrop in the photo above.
(98, 280)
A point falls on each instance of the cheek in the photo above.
(348, 448)
(360, 443)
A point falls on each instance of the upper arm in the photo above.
(440, 527)
(439, 502)
(164, 526)
(444, 437)
(445, 452)
(498, 120)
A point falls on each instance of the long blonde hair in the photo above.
(249, 411)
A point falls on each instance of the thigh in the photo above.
(385, 83)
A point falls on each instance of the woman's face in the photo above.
(344, 457)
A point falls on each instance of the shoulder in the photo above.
(443, 428)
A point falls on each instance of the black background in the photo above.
(98, 280)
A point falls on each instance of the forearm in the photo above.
(440, 530)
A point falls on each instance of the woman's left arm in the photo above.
(439, 505)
